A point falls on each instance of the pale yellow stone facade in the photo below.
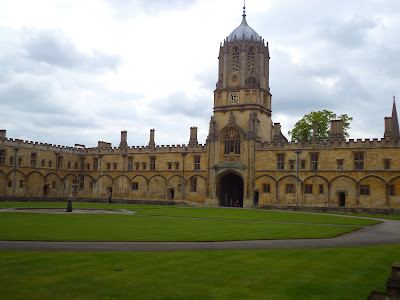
(245, 160)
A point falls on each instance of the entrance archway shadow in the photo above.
(230, 190)
(342, 199)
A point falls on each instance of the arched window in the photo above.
(251, 61)
(235, 59)
(232, 142)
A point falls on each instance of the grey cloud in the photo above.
(128, 8)
(32, 96)
(53, 48)
(178, 103)
(350, 33)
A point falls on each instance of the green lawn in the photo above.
(209, 212)
(337, 273)
(106, 227)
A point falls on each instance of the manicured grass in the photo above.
(103, 227)
(391, 217)
(336, 273)
(209, 212)
(256, 215)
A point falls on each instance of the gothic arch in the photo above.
(287, 176)
(51, 173)
(373, 191)
(342, 193)
(158, 175)
(106, 175)
(197, 175)
(34, 172)
(69, 175)
(176, 175)
(319, 176)
(140, 175)
(394, 178)
(345, 176)
(265, 175)
(369, 176)
(251, 60)
(234, 53)
(124, 175)
(227, 171)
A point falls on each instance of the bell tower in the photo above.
(242, 117)
(243, 83)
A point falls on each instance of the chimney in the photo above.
(151, 142)
(2, 134)
(123, 143)
(193, 136)
(388, 128)
(337, 130)
(278, 136)
(101, 144)
(314, 135)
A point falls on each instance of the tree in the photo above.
(303, 129)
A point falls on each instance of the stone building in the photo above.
(246, 158)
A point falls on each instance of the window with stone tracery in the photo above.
(251, 60)
(232, 142)
(235, 59)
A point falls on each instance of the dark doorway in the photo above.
(342, 199)
(256, 199)
(230, 190)
(45, 190)
(171, 194)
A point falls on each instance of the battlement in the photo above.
(104, 149)
(329, 144)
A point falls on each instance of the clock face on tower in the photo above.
(234, 97)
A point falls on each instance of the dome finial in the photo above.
(244, 8)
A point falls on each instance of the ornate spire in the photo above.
(244, 9)
(395, 122)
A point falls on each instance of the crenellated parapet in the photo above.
(330, 144)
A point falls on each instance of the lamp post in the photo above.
(297, 177)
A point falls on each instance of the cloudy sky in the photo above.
(74, 71)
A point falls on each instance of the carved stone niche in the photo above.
(252, 82)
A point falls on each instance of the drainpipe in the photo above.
(98, 179)
(57, 154)
(183, 174)
(15, 169)
(297, 178)
(123, 175)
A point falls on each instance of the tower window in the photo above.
(232, 143)
(33, 160)
(130, 163)
(235, 59)
(359, 161)
(152, 163)
(2, 156)
(197, 162)
(59, 162)
(95, 164)
(251, 60)
(364, 190)
(193, 184)
(281, 161)
(314, 161)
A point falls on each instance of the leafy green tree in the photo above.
(303, 129)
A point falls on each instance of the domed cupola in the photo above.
(244, 31)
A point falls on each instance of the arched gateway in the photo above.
(230, 190)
